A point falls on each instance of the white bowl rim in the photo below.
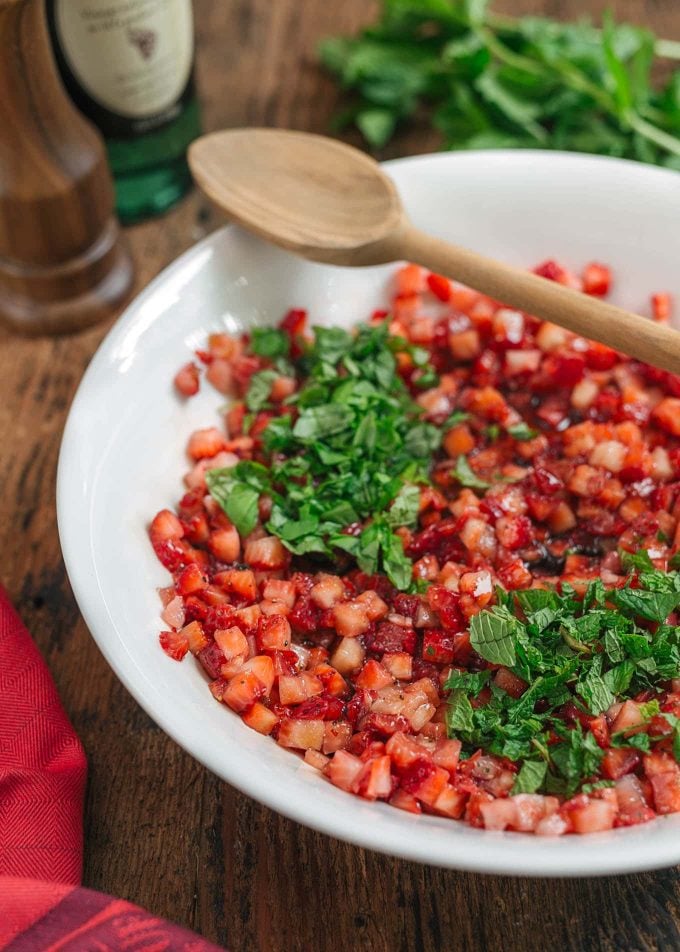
(512, 854)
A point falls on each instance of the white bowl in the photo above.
(123, 456)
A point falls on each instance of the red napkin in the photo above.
(42, 783)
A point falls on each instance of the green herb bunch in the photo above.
(590, 652)
(353, 455)
(493, 82)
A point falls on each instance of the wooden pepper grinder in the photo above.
(63, 264)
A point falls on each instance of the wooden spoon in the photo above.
(327, 201)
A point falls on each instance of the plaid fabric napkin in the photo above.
(42, 784)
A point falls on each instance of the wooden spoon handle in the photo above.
(656, 344)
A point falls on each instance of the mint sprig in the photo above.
(487, 81)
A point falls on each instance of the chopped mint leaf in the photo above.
(269, 342)
(237, 499)
(521, 432)
(260, 389)
(491, 635)
(530, 777)
(466, 477)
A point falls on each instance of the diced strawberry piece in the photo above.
(509, 682)
(564, 369)
(301, 734)
(298, 688)
(659, 762)
(286, 663)
(530, 809)
(391, 638)
(348, 656)
(279, 590)
(600, 357)
(316, 759)
(294, 322)
(629, 719)
(619, 761)
(424, 780)
(450, 802)
(373, 604)
(187, 380)
(225, 544)
(191, 579)
(553, 825)
(447, 606)
(240, 582)
(514, 532)
(326, 708)
(174, 643)
(447, 754)
(196, 528)
(399, 664)
(551, 270)
(205, 443)
(438, 646)
(260, 718)
(410, 279)
(195, 636)
(336, 736)
(405, 752)
(174, 614)
(344, 769)
(666, 414)
(385, 724)
(633, 807)
(514, 575)
(243, 367)
(232, 643)
(600, 730)
(374, 676)
(165, 527)
(596, 279)
(273, 632)
(350, 618)
(593, 816)
(223, 345)
(196, 609)
(327, 591)
(212, 660)
(662, 307)
(498, 814)
(439, 285)
(473, 809)
(243, 690)
(267, 553)
(374, 782)
(666, 788)
(333, 682)
(263, 668)
(406, 801)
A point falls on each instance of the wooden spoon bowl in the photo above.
(327, 201)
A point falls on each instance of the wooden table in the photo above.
(159, 829)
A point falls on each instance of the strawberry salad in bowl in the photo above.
(438, 557)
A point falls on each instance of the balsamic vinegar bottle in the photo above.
(129, 66)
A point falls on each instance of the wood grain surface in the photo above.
(161, 830)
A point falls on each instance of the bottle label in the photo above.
(131, 57)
